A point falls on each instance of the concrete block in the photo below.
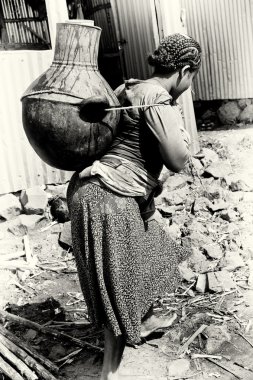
(10, 206)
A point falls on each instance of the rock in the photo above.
(243, 103)
(173, 231)
(199, 262)
(231, 261)
(176, 181)
(34, 200)
(58, 351)
(240, 182)
(201, 204)
(228, 113)
(196, 240)
(216, 337)
(229, 215)
(173, 197)
(195, 226)
(11, 246)
(219, 169)
(186, 273)
(59, 209)
(210, 156)
(246, 116)
(30, 335)
(201, 283)
(65, 238)
(213, 250)
(10, 206)
(24, 224)
(220, 281)
(218, 205)
(178, 368)
(57, 190)
(213, 191)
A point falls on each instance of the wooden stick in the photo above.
(16, 264)
(45, 330)
(19, 364)
(132, 107)
(69, 356)
(46, 362)
(191, 339)
(31, 362)
(223, 367)
(244, 337)
(28, 250)
(9, 371)
(200, 356)
(11, 256)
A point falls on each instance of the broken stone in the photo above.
(186, 272)
(10, 206)
(216, 337)
(246, 116)
(173, 231)
(229, 215)
(201, 283)
(243, 103)
(213, 191)
(220, 281)
(59, 209)
(30, 335)
(57, 190)
(228, 113)
(210, 156)
(174, 197)
(34, 200)
(24, 223)
(195, 226)
(240, 182)
(178, 368)
(196, 240)
(213, 250)
(201, 204)
(177, 181)
(218, 205)
(219, 169)
(199, 262)
(231, 261)
(65, 238)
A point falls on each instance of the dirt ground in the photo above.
(52, 293)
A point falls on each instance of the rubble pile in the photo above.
(208, 208)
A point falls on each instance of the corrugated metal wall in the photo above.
(20, 166)
(224, 28)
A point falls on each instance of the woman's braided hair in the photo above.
(175, 52)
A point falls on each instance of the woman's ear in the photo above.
(184, 71)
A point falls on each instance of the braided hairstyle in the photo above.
(174, 52)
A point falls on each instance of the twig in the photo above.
(200, 356)
(19, 364)
(16, 264)
(28, 250)
(9, 371)
(49, 226)
(46, 330)
(244, 337)
(223, 367)
(12, 256)
(185, 377)
(46, 362)
(69, 356)
(28, 360)
(191, 339)
(18, 285)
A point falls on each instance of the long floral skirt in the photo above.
(123, 264)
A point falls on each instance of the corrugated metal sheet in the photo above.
(20, 166)
(135, 27)
(224, 29)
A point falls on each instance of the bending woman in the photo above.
(124, 258)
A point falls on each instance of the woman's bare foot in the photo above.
(154, 323)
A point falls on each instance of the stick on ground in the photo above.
(18, 342)
(19, 364)
(28, 360)
(7, 370)
(191, 339)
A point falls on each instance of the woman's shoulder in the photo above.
(144, 92)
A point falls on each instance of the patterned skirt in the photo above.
(123, 264)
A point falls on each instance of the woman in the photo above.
(124, 258)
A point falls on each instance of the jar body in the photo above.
(63, 110)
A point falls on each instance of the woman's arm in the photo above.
(167, 126)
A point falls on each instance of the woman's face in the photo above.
(183, 82)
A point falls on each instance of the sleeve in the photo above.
(167, 126)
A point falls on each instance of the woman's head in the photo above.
(177, 56)
(175, 52)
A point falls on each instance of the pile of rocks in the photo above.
(210, 210)
(226, 112)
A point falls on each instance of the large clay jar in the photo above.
(64, 113)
